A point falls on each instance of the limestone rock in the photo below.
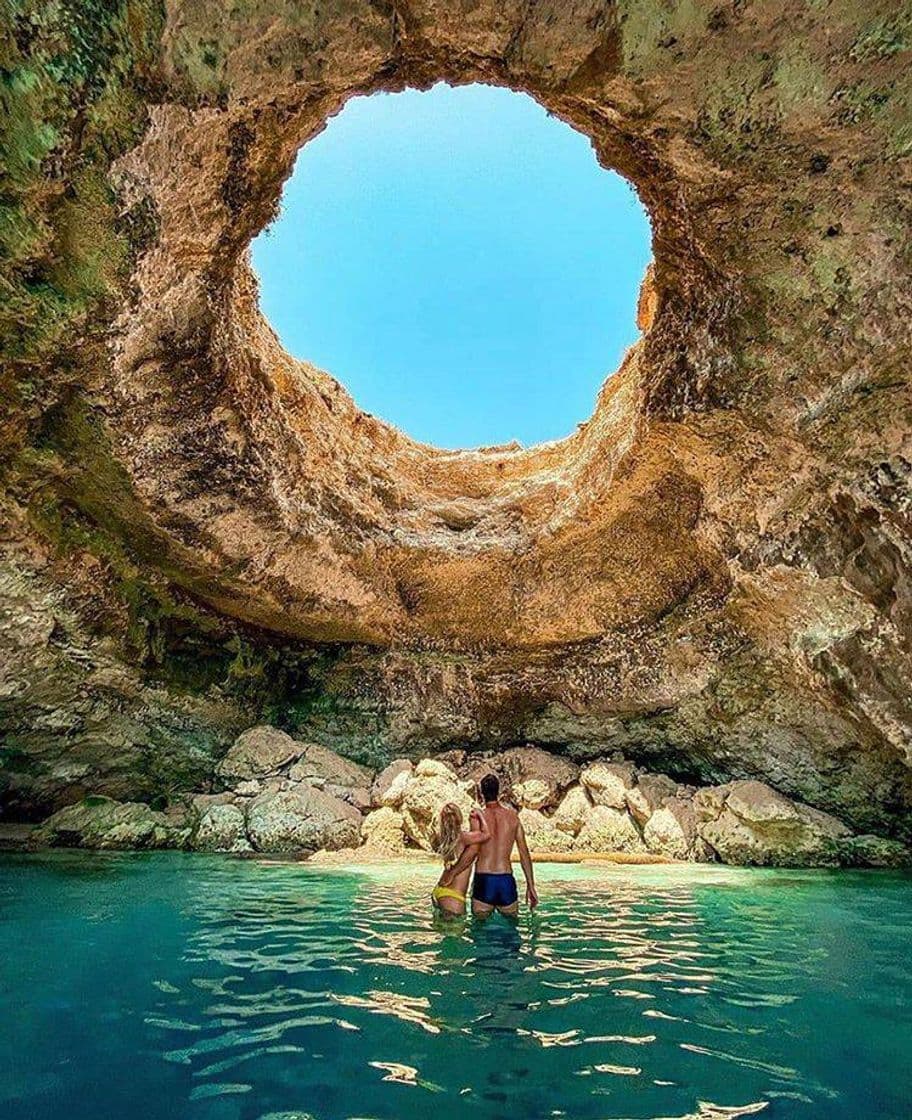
(713, 567)
(394, 793)
(386, 777)
(573, 811)
(384, 830)
(221, 828)
(608, 830)
(608, 783)
(427, 790)
(648, 795)
(542, 835)
(200, 802)
(326, 770)
(709, 802)
(530, 776)
(101, 822)
(758, 804)
(319, 766)
(760, 826)
(301, 818)
(432, 768)
(671, 830)
(873, 851)
(257, 753)
(534, 793)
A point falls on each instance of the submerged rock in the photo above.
(101, 822)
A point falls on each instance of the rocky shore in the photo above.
(272, 793)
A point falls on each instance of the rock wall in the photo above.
(199, 532)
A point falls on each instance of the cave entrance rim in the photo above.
(516, 266)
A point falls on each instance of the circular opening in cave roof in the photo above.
(460, 261)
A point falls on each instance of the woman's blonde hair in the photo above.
(450, 832)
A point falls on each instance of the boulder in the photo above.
(200, 802)
(394, 794)
(759, 826)
(319, 766)
(383, 830)
(573, 811)
(426, 791)
(648, 795)
(303, 817)
(250, 788)
(101, 822)
(519, 767)
(709, 802)
(608, 830)
(542, 835)
(759, 804)
(433, 768)
(221, 828)
(607, 783)
(454, 759)
(386, 777)
(257, 753)
(534, 793)
(671, 830)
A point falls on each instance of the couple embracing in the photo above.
(488, 844)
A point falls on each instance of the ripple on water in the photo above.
(629, 996)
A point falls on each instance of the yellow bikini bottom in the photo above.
(446, 892)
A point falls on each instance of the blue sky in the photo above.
(459, 261)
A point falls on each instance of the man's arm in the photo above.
(465, 860)
(526, 860)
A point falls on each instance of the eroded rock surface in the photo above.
(710, 576)
(258, 753)
(303, 818)
(101, 822)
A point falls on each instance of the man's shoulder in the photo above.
(511, 814)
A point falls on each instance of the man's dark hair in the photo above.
(490, 787)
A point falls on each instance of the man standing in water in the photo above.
(494, 886)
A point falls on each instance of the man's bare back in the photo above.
(502, 824)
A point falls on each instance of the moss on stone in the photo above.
(71, 81)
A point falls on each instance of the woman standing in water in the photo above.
(452, 845)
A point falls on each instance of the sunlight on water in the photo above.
(172, 986)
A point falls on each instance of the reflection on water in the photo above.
(217, 989)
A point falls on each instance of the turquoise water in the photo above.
(169, 985)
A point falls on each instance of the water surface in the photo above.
(171, 986)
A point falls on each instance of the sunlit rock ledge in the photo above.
(272, 794)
